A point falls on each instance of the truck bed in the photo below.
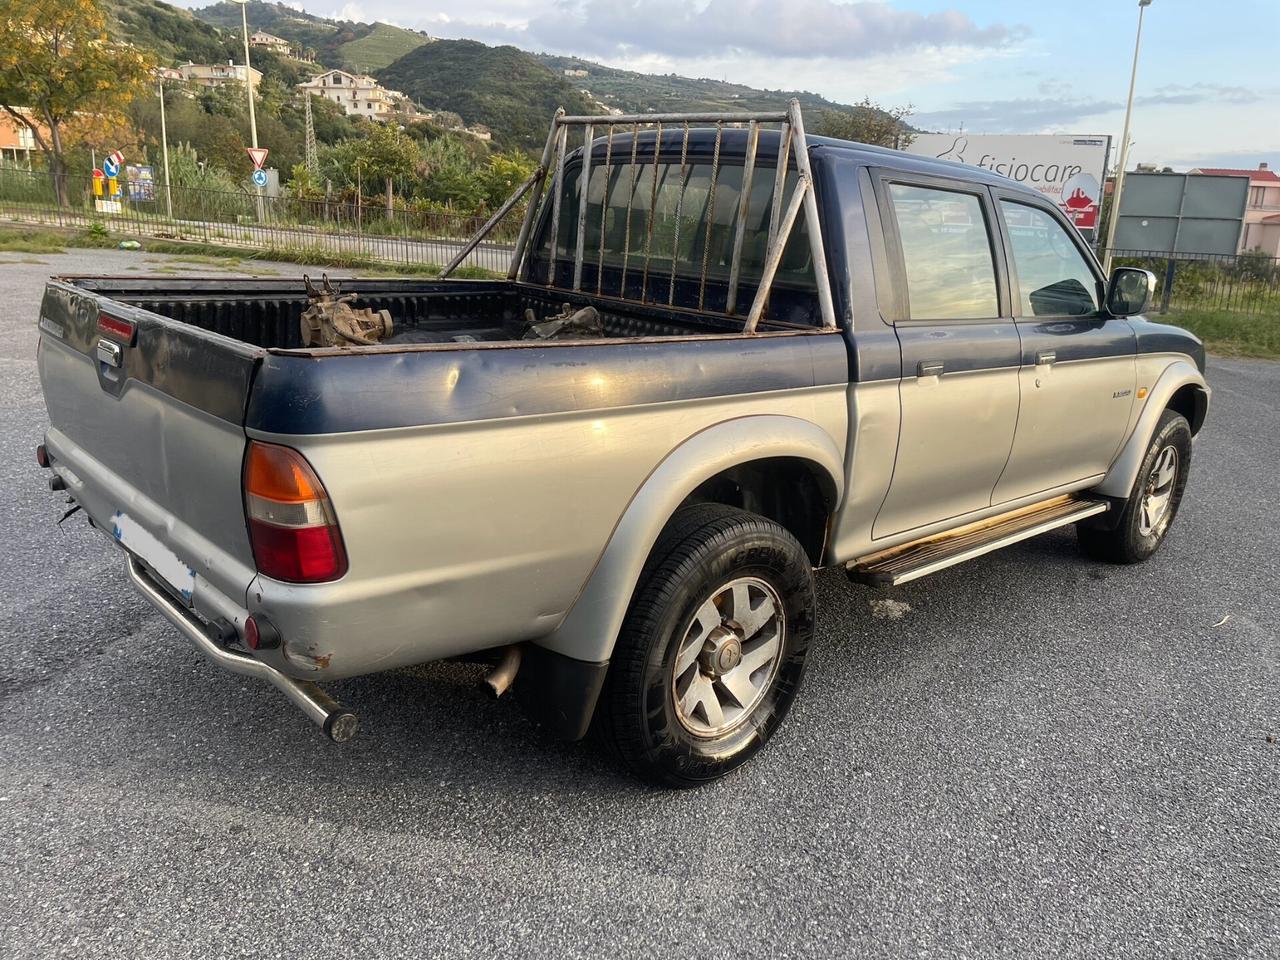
(265, 312)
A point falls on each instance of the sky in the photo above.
(1208, 90)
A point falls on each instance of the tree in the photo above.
(868, 122)
(58, 63)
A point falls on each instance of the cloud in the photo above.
(1013, 116)
(1188, 94)
(795, 29)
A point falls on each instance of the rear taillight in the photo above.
(292, 527)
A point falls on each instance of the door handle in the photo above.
(929, 368)
(1046, 357)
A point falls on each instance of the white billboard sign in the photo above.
(1069, 170)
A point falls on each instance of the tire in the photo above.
(708, 552)
(1153, 503)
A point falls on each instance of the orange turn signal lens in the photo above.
(280, 474)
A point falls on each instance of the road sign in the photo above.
(259, 156)
(259, 177)
(111, 165)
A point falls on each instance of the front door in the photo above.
(959, 387)
(1077, 375)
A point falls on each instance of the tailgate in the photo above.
(147, 430)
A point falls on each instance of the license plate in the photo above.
(160, 559)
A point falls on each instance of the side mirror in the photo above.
(1130, 291)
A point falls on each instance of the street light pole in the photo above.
(164, 149)
(248, 83)
(1114, 219)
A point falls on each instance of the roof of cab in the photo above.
(733, 144)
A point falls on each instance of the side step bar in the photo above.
(338, 723)
(910, 561)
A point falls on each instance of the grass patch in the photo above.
(51, 240)
(1232, 334)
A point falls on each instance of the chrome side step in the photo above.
(910, 561)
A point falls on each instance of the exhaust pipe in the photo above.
(503, 675)
(338, 723)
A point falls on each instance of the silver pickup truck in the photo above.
(779, 353)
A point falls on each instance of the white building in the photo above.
(358, 94)
(270, 41)
(216, 74)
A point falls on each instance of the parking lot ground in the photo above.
(1029, 755)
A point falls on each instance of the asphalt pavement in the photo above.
(1031, 755)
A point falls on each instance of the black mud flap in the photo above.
(558, 692)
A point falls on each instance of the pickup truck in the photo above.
(810, 353)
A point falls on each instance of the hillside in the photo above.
(653, 93)
(506, 89)
(380, 47)
(170, 32)
(336, 43)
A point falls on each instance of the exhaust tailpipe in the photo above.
(503, 675)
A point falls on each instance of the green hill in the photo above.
(506, 89)
(380, 47)
(170, 32)
(653, 93)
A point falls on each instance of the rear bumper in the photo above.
(338, 723)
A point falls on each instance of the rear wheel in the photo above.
(1153, 503)
(712, 649)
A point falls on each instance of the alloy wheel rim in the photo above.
(1157, 494)
(728, 656)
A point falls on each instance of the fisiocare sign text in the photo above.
(1067, 169)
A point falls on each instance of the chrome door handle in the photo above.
(110, 353)
(1046, 357)
(929, 368)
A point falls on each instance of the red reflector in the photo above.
(259, 634)
(251, 633)
(121, 329)
(298, 554)
(42, 455)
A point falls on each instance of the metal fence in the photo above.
(325, 228)
(1245, 284)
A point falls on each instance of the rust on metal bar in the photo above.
(653, 205)
(604, 208)
(557, 189)
(779, 180)
(530, 214)
(710, 215)
(774, 257)
(819, 253)
(502, 211)
(631, 199)
(675, 240)
(584, 187)
(744, 205)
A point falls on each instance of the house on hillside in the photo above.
(1262, 209)
(270, 42)
(16, 139)
(358, 94)
(216, 74)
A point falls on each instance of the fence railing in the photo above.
(1245, 283)
(328, 227)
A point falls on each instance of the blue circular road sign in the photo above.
(259, 178)
(110, 168)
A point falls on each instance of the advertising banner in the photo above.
(1067, 169)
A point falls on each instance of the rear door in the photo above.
(146, 427)
(1077, 375)
(959, 388)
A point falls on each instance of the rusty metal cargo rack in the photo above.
(792, 147)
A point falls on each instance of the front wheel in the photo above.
(1153, 503)
(712, 649)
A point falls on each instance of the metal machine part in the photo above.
(569, 324)
(331, 321)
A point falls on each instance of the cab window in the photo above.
(1054, 279)
(946, 253)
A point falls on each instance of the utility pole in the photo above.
(164, 149)
(1114, 218)
(248, 83)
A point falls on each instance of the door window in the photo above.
(1054, 279)
(946, 252)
